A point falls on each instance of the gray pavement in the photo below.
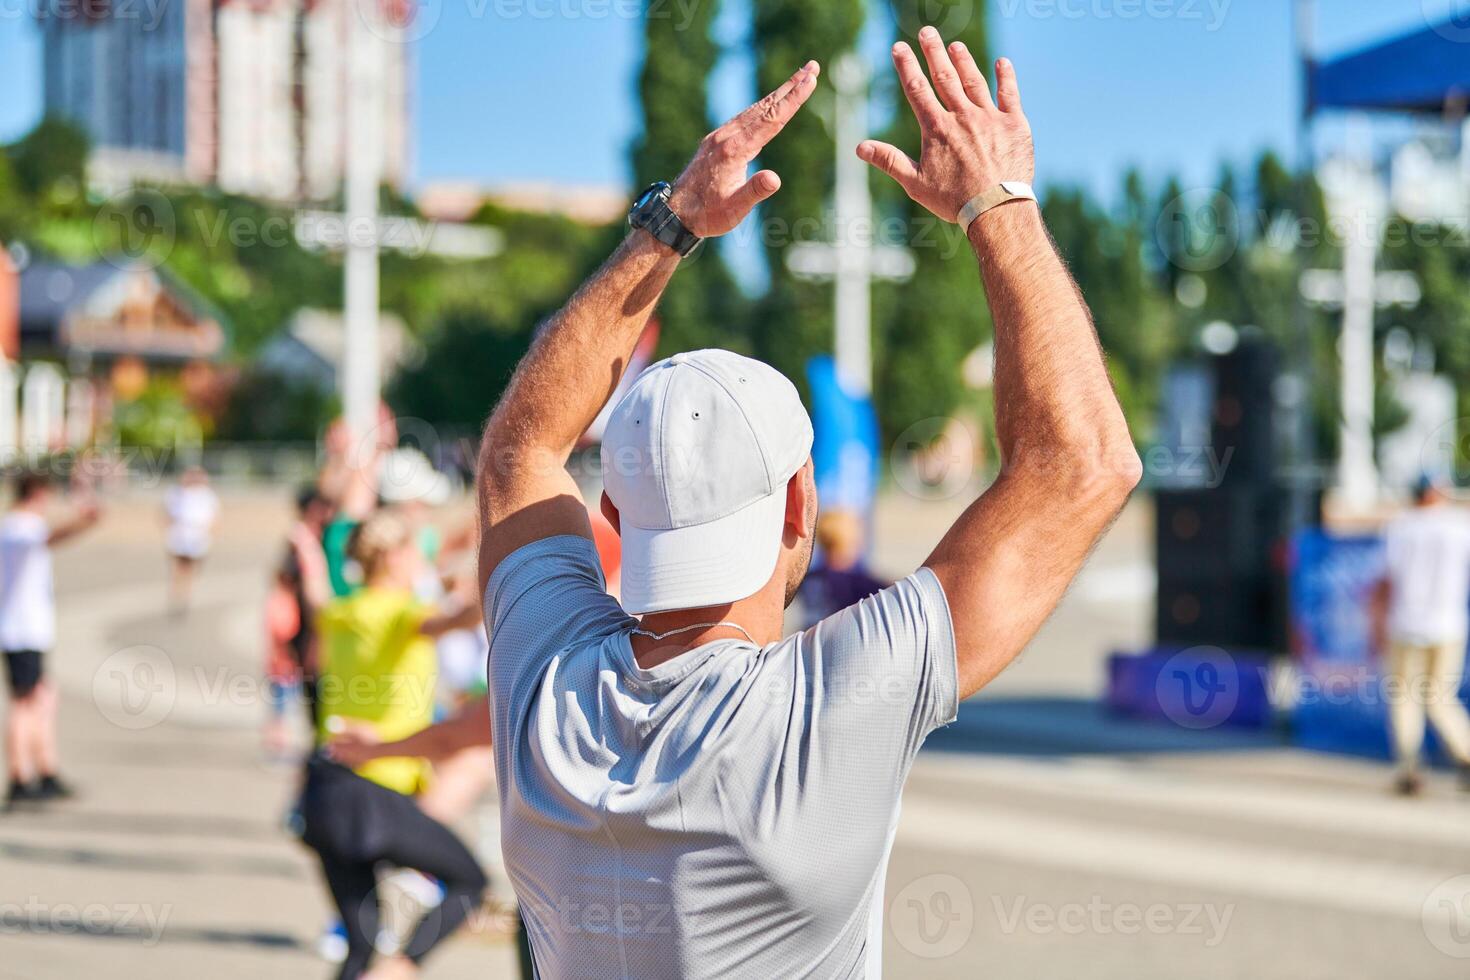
(1040, 837)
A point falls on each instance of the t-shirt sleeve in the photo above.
(881, 674)
(540, 599)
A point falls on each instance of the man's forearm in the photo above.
(1055, 410)
(577, 361)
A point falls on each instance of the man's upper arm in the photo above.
(1006, 564)
(523, 500)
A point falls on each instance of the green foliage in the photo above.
(702, 307)
(485, 314)
(269, 408)
(469, 360)
(53, 153)
(11, 193)
(1439, 257)
(794, 321)
(241, 255)
(159, 418)
(926, 326)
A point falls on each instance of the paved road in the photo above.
(1039, 837)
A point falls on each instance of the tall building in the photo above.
(247, 94)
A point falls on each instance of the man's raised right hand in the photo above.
(713, 195)
(971, 142)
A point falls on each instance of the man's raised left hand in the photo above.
(713, 194)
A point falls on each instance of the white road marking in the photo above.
(1329, 811)
(1255, 870)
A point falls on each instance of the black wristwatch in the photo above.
(651, 212)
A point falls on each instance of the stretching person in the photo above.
(377, 659)
(28, 632)
(729, 795)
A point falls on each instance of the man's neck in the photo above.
(760, 618)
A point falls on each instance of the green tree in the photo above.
(793, 321)
(55, 151)
(12, 203)
(466, 367)
(483, 315)
(926, 326)
(270, 408)
(702, 306)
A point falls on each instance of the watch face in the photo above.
(648, 195)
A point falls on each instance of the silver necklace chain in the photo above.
(686, 629)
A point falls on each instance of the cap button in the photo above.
(676, 359)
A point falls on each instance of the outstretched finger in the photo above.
(1007, 92)
(971, 77)
(889, 159)
(755, 190)
(760, 123)
(942, 70)
(915, 86)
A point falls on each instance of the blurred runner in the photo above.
(1421, 619)
(350, 479)
(28, 632)
(282, 671)
(841, 579)
(378, 669)
(303, 575)
(190, 511)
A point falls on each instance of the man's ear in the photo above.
(611, 513)
(798, 520)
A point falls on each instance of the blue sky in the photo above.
(544, 89)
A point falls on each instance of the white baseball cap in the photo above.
(696, 458)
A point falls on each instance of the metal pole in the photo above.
(853, 235)
(1357, 470)
(360, 366)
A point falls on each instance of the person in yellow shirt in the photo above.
(378, 672)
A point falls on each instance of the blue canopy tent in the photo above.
(1426, 71)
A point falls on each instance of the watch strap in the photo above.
(1002, 193)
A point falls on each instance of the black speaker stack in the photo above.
(1221, 533)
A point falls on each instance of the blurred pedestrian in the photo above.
(841, 577)
(350, 480)
(303, 575)
(190, 511)
(28, 633)
(377, 660)
(282, 671)
(1421, 619)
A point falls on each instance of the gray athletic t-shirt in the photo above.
(727, 813)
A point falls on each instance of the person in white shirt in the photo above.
(27, 633)
(190, 510)
(1422, 618)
